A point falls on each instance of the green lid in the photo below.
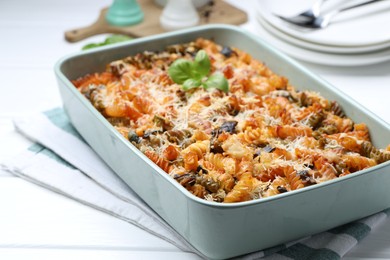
(124, 12)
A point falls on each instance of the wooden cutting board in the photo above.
(220, 12)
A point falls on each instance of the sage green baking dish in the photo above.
(227, 230)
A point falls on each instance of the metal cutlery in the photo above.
(320, 21)
(309, 14)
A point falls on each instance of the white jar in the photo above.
(196, 3)
(178, 14)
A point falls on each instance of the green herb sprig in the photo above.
(109, 40)
(193, 74)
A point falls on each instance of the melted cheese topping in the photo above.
(260, 139)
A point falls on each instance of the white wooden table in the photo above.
(38, 224)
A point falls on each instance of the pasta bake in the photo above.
(260, 138)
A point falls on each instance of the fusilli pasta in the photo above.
(261, 138)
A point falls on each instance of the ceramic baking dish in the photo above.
(226, 230)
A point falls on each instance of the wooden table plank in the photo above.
(38, 218)
(102, 254)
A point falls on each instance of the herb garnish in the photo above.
(109, 40)
(192, 74)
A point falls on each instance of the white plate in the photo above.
(354, 28)
(319, 47)
(330, 59)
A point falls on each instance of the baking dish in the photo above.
(228, 230)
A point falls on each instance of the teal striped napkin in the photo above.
(61, 161)
(332, 244)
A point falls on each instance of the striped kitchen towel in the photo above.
(61, 161)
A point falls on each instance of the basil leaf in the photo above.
(201, 64)
(116, 38)
(192, 74)
(180, 71)
(218, 81)
(191, 83)
(109, 40)
(91, 46)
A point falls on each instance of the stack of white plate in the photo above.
(360, 36)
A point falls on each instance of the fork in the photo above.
(309, 14)
(322, 21)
